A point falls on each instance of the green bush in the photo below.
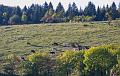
(8, 68)
(26, 68)
(69, 62)
(99, 61)
(37, 64)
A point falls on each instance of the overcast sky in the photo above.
(65, 3)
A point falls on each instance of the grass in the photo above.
(22, 38)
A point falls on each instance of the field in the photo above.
(20, 39)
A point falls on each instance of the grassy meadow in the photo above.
(20, 39)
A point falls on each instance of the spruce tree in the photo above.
(81, 12)
(74, 10)
(90, 10)
(113, 10)
(98, 14)
(69, 11)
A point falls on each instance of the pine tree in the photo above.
(59, 8)
(81, 12)
(74, 10)
(30, 12)
(17, 11)
(1, 19)
(98, 15)
(119, 10)
(103, 13)
(45, 8)
(90, 9)
(107, 8)
(113, 10)
(60, 11)
(69, 11)
(24, 9)
(36, 14)
(50, 6)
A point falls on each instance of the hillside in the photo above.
(23, 38)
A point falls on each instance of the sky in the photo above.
(65, 3)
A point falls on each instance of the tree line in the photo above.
(47, 14)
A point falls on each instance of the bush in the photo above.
(38, 64)
(70, 61)
(26, 68)
(8, 68)
(99, 61)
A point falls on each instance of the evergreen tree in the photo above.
(59, 8)
(107, 8)
(35, 17)
(17, 11)
(30, 13)
(1, 15)
(50, 6)
(74, 10)
(59, 13)
(45, 8)
(98, 15)
(113, 10)
(103, 13)
(24, 9)
(90, 9)
(119, 10)
(81, 12)
(69, 11)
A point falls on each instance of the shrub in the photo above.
(10, 64)
(41, 64)
(70, 61)
(99, 61)
(8, 68)
(26, 68)
(38, 57)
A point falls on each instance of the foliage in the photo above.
(8, 68)
(26, 68)
(99, 60)
(90, 9)
(96, 61)
(46, 13)
(70, 61)
(14, 19)
(37, 57)
(10, 64)
(41, 64)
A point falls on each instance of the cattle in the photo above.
(52, 52)
(33, 51)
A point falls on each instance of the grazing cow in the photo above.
(87, 47)
(22, 58)
(33, 51)
(52, 52)
(28, 43)
(55, 44)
